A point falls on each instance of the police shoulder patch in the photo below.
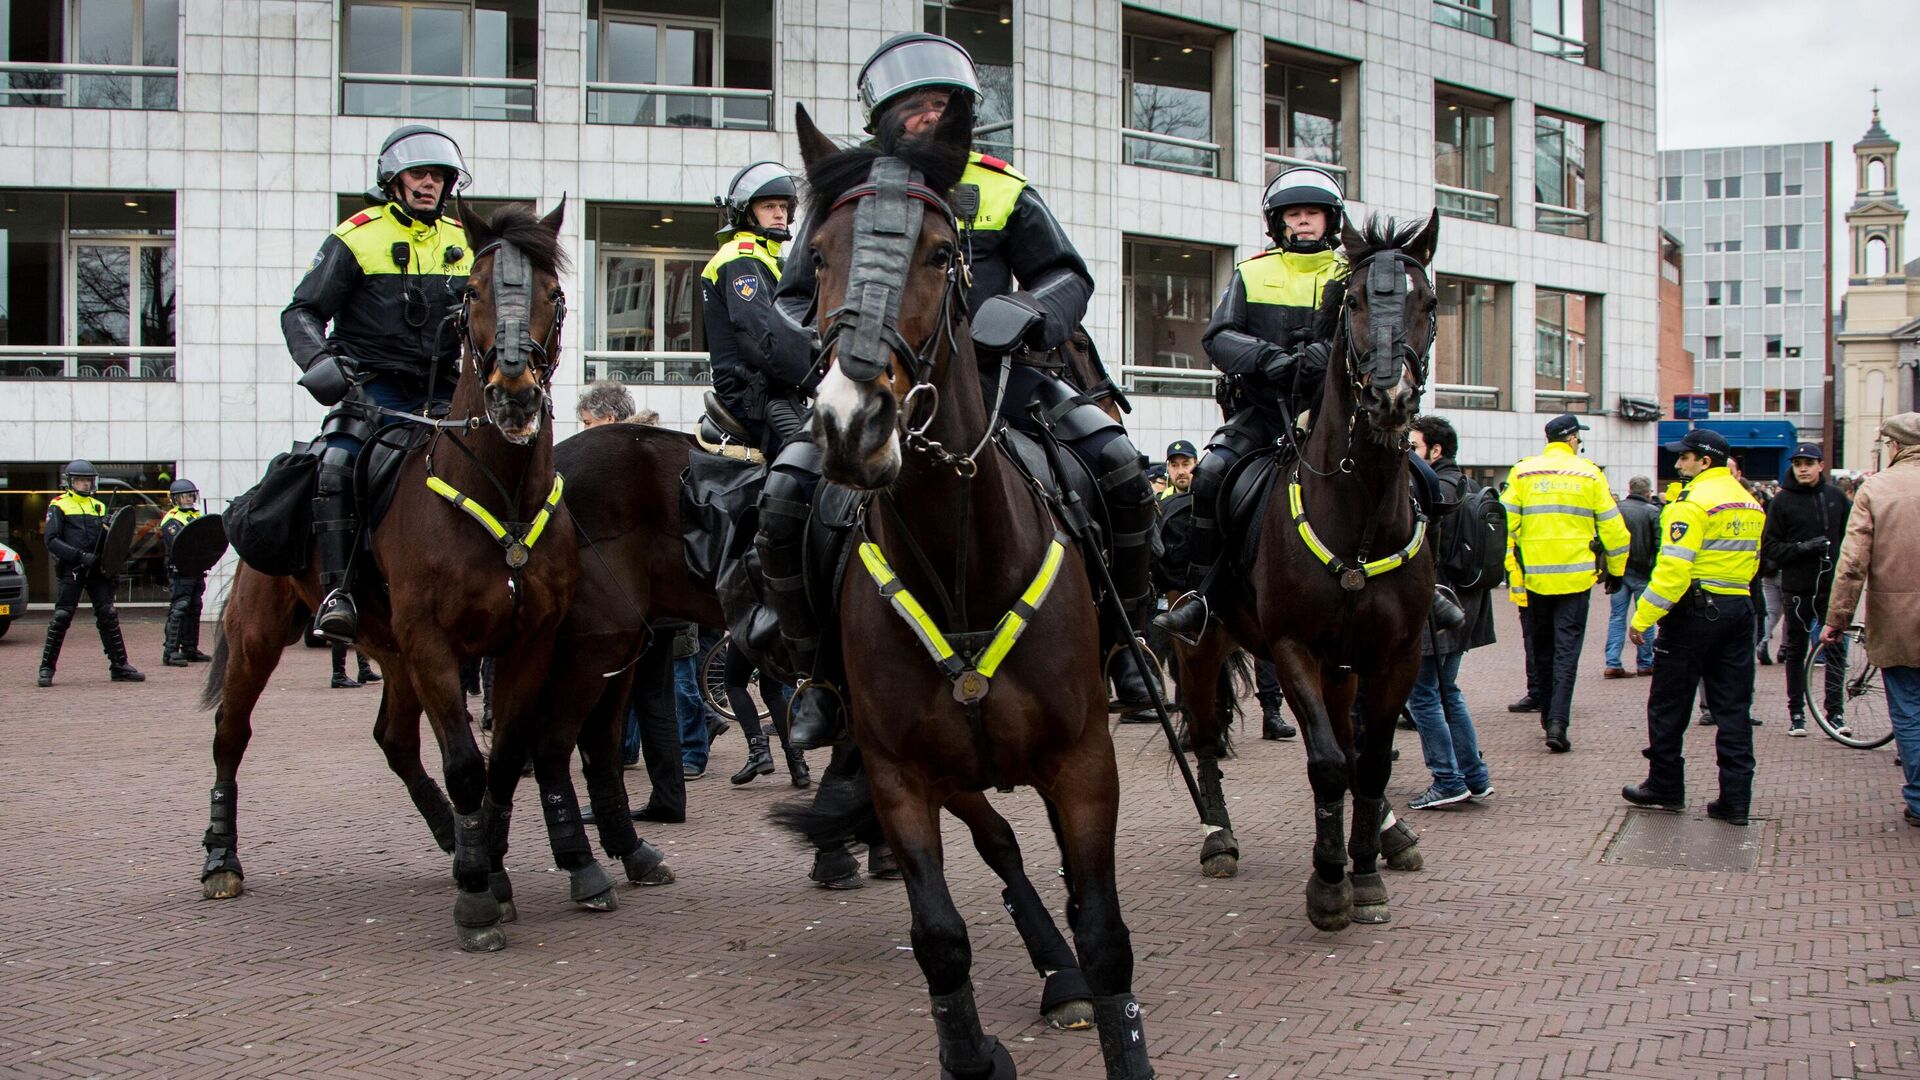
(1676, 531)
(746, 286)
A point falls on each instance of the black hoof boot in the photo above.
(882, 863)
(966, 1053)
(645, 865)
(1123, 1037)
(1401, 846)
(46, 677)
(1066, 1001)
(591, 887)
(476, 919)
(836, 868)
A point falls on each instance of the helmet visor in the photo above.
(1302, 187)
(911, 65)
(761, 180)
(424, 149)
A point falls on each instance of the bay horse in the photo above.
(456, 588)
(900, 415)
(1342, 579)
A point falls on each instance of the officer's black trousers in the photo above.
(98, 589)
(183, 610)
(1802, 615)
(1557, 628)
(652, 698)
(1711, 645)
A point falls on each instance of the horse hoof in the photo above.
(999, 1067)
(844, 884)
(1409, 859)
(1223, 865)
(1401, 845)
(509, 912)
(592, 887)
(482, 939)
(645, 865)
(221, 885)
(1071, 1016)
(1370, 899)
(1329, 904)
(1066, 1001)
(605, 901)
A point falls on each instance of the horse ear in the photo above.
(554, 217)
(1350, 237)
(478, 234)
(952, 140)
(814, 146)
(1425, 244)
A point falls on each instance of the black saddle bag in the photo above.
(271, 525)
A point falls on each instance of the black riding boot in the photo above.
(816, 717)
(190, 636)
(118, 668)
(335, 531)
(759, 761)
(367, 674)
(56, 635)
(1187, 618)
(340, 679)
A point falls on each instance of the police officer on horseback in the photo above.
(1262, 338)
(76, 523)
(388, 279)
(1026, 275)
(184, 591)
(737, 292)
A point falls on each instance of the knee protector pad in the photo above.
(336, 471)
(106, 615)
(62, 618)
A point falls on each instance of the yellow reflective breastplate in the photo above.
(1352, 578)
(517, 547)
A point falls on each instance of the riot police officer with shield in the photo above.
(737, 292)
(1025, 273)
(184, 590)
(76, 522)
(388, 280)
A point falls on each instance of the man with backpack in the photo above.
(1471, 546)
(1643, 535)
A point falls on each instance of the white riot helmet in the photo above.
(417, 146)
(1304, 185)
(908, 62)
(760, 180)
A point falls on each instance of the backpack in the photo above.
(1473, 547)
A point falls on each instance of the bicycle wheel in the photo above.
(1863, 721)
(713, 680)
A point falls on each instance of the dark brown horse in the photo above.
(454, 591)
(955, 537)
(1342, 580)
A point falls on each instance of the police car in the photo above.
(13, 587)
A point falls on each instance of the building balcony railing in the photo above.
(994, 136)
(89, 86)
(1180, 381)
(152, 364)
(1156, 151)
(1465, 396)
(1468, 204)
(649, 367)
(1562, 397)
(439, 97)
(656, 105)
(1562, 220)
(1566, 48)
(1468, 17)
(1276, 163)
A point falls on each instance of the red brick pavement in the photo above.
(1516, 953)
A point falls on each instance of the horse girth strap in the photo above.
(518, 546)
(970, 673)
(1352, 577)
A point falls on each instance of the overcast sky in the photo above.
(1741, 72)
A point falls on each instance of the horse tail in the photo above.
(1239, 676)
(841, 811)
(216, 671)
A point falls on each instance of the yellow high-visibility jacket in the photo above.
(1557, 503)
(1710, 537)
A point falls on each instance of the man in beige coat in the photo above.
(1882, 554)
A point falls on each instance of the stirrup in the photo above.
(337, 620)
(836, 723)
(1165, 619)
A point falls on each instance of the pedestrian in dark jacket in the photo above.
(1643, 533)
(1805, 524)
(1447, 739)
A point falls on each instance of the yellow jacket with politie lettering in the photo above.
(1710, 537)
(1557, 504)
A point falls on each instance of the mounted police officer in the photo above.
(1262, 338)
(388, 279)
(737, 291)
(1025, 274)
(76, 522)
(1700, 596)
(183, 590)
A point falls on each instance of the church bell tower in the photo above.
(1876, 222)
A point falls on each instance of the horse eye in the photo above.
(941, 258)
(818, 259)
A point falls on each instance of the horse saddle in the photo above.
(378, 466)
(1243, 503)
(721, 432)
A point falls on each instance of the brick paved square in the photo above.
(1516, 952)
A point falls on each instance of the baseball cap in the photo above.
(1809, 450)
(1563, 425)
(1181, 448)
(1702, 439)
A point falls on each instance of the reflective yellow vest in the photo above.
(745, 244)
(1710, 537)
(1557, 503)
(1000, 187)
(178, 514)
(1289, 278)
(76, 505)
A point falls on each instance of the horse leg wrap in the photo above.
(501, 886)
(1123, 1037)
(1213, 794)
(222, 840)
(564, 831)
(965, 1051)
(470, 862)
(1400, 844)
(1364, 843)
(611, 818)
(1046, 947)
(1330, 841)
(434, 808)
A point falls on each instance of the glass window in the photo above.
(87, 285)
(1472, 353)
(1770, 401)
(654, 44)
(1169, 294)
(1773, 346)
(1772, 233)
(1772, 182)
(1167, 91)
(396, 54)
(643, 317)
(1474, 16)
(1302, 116)
(1466, 159)
(1733, 187)
(1560, 176)
(1713, 189)
(127, 34)
(1559, 29)
(1565, 323)
(1671, 192)
(1792, 402)
(1713, 346)
(1793, 237)
(985, 28)
(1770, 295)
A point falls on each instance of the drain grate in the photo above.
(1686, 841)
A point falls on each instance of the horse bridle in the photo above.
(886, 231)
(1387, 348)
(512, 308)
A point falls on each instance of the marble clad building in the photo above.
(172, 165)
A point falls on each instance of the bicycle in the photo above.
(1864, 722)
(713, 679)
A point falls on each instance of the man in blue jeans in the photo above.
(1643, 530)
(1881, 554)
(1447, 738)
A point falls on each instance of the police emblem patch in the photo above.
(746, 286)
(1678, 530)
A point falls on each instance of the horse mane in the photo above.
(940, 167)
(1380, 234)
(517, 224)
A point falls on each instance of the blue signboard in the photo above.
(1701, 410)
(1683, 406)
